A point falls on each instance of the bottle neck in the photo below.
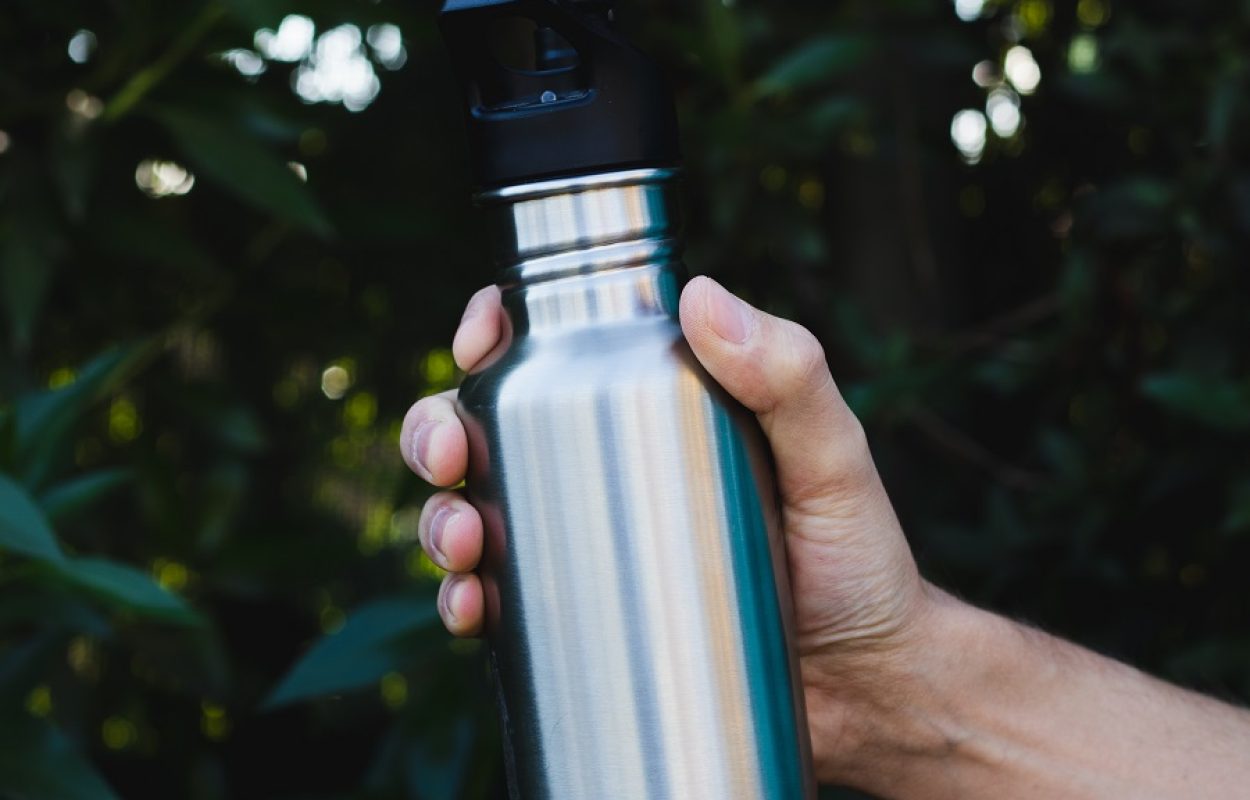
(595, 249)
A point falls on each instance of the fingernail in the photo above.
(728, 316)
(454, 587)
(421, 446)
(472, 310)
(443, 518)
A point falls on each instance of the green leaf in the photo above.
(226, 421)
(814, 63)
(1134, 208)
(438, 770)
(125, 588)
(45, 418)
(239, 164)
(834, 113)
(66, 499)
(41, 413)
(50, 608)
(722, 39)
(369, 646)
(26, 662)
(1215, 403)
(38, 761)
(23, 527)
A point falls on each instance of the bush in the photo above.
(219, 299)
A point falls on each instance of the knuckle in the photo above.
(843, 473)
(851, 467)
(806, 366)
(856, 438)
(857, 462)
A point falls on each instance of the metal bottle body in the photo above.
(634, 571)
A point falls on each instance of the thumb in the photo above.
(777, 369)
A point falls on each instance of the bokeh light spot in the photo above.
(1093, 13)
(376, 532)
(157, 178)
(419, 565)
(439, 368)
(124, 423)
(360, 410)
(246, 62)
(968, 132)
(812, 194)
(338, 71)
(61, 377)
(969, 10)
(83, 657)
(1022, 69)
(1002, 108)
(84, 105)
(214, 722)
(292, 41)
(387, 43)
(330, 616)
(39, 701)
(335, 381)
(394, 690)
(118, 733)
(985, 74)
(81, 46)
(404, 524)
(1192, 575)
(1083, 53)
(171, 575)
(1033, 16)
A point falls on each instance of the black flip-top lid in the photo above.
(584, 101)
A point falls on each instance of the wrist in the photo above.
(965, 704)
(886, 709)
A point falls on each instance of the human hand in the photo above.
(859, 601)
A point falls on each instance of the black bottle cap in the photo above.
(552, 91)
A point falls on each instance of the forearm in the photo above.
(991, 709)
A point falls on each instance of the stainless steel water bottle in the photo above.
(637, 599)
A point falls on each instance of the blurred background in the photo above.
(236, 237)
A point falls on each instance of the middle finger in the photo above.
(450, 530)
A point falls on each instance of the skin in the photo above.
(910, 693)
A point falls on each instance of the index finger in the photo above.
(480, 329)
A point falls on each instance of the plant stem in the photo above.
(148, 78)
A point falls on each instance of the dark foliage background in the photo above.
(201, 383)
